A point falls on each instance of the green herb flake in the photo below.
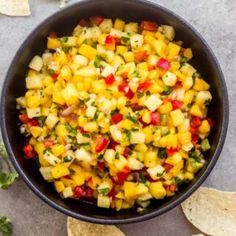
(72, 131)
(100, 157)
(205, 145)
(5, 226)
(178, 181)
(125, 40)
(68, 159)
(167, 90)
(162, 153)
(97, 61)
(96, 115)
(117, 156)
(50, 71)
(104, 191)
(86, 135)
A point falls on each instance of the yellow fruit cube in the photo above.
(58, 149)
(53, 43)
(165, 108)
(59, 171)
(150, 158)
(126, 124)
(146, 117)
(103, 201)
(201, 85)
(129, 190)
(173, 50)
(59, 186)
(51, 120)
(141, 147)
(159, 46)
(184, 138)
(141, 189)
(87, 51)
(33, 101)
(91, 127)
(157, 190)
(98, 86)
(174, 159)
(188, 53)
(204, 127)
(36, 131)
(79, 179)
(195, 110)
(177, 117)
(66, 73)
(119, 24)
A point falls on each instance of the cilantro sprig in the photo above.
(5, 226)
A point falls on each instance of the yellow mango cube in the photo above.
(173, 50)
(59, 171)
(119, 24)
(201, 85)
(157, 190)
(58, 149)
(150, 158)
(59, 186)
(195, 110)
(129, 190)
(204, 127)
(177, 117)
(79, 179)
(87, 51)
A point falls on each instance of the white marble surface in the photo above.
(216, 21)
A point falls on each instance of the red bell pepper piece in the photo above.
(171, 151)
(112, 193)
(140, 55)
(79, 192)
(167, 167)
(24, 118)
(96, 20)
(149, 25)
(155, 118)
(110, 40)
(29, 151)
(101, 165)
(172, 188)
(89, 192)
(101, 144)
(33, 122)
(112, 145)
(48, 143)
(126, 152)
(143, 86)
(124, 87)
(176, 104)
(52, 35)
(54, 76)
(163, 64)
(110, 79)
(195, 122)
(195, 138)
(84, 23)
(123, 175)
(116, 118)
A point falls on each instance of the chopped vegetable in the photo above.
(115, 111)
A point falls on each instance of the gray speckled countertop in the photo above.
(216, 21)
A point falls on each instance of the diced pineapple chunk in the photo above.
(153, 102)
(136, 41)
(109, 156)
(90, 111)
(108, 70)
(70, 94)
(51, 120)
(159, 46)
(80, 60)
(60, 171)
(203, 98)
(137, 137)
(141, 189)
(91, 126)
(169, 78)
(36, 131)
(174, 159)
(46, 173)
(58, 149)
(79, 179)
(157, 190)
(106, 25)
(168, 31)
(33, 101)
(131, 27)
(67, 192)
(83, 155)
(34, 82)
(115, 133)
(51, 159)
(33, 112)
(87, 71)
(120, 163)
(98, 86)
(134, 164)
(36, 63)
(177, 117)
(103, 201)
(184, 138)
(156, 171)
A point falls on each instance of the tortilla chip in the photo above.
(212, 211)
(81, 228)
(15, 7)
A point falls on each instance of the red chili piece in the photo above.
(176, 104)
(110, 79)
(101, 144)
(116, 118)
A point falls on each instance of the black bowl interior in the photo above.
(62, 23)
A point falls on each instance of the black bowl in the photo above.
(62, 23)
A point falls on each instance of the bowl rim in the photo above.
(137, 218)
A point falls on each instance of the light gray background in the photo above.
(216, 21)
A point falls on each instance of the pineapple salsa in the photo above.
(115, 112)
